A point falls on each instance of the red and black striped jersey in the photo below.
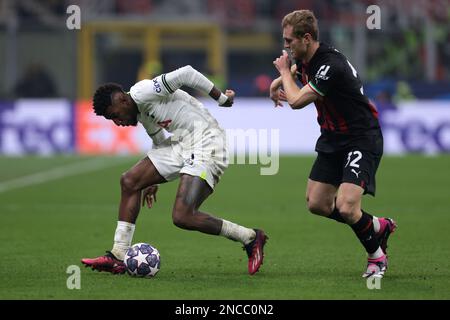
(344, 113)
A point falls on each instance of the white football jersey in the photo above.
(162, 105)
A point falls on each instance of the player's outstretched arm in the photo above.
(188, 76)
(296, 97)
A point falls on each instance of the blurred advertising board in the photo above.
(46, 127)
(96, 135)
(40, 127)
(417, 127)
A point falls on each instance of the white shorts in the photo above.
(207, 158)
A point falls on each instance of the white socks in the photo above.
(376, 227)
(377, 254)
(125, 230)
(122, 239)
(236, 232)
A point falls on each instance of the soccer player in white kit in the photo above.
(196, 152)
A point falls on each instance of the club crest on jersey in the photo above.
(322, 73)
(164, 124)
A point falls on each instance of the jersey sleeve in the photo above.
(186, 76)
(167, 83)
(325, 75)
(148, 91)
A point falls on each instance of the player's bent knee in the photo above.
(179, 222)
(183, 223)
(181, 219)
(319, 208)
(347, 207)
(128, 183)
(346, 212)
(321, 211)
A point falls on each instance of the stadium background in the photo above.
(60, 165)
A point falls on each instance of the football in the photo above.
(142, 260)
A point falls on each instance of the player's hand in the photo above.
(276, 93)
(230, 94)
(275, 96)
(294, 70)
(283, 63)
(282, 95)
(149, 195)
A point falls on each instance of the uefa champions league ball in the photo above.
(142, 260)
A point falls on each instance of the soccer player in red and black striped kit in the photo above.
(350, 146)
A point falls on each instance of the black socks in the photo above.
(365, 232)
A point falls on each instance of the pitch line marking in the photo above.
(59, 172)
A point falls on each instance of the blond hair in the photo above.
(303, 21)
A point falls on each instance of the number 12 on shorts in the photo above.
(354, 162)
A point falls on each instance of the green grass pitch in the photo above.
(46, 227)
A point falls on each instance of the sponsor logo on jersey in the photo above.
(156, 86)
(322, 73)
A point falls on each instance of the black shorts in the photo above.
(353, 165)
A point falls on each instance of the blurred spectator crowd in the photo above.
(398, 53)
(241, 12)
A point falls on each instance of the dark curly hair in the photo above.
(102, 97)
